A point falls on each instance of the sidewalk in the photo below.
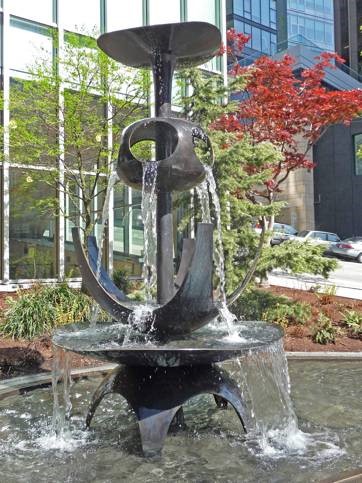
(352, 290)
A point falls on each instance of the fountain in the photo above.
(166, 355)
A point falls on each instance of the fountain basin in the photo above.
(117, 343)
(326, 394)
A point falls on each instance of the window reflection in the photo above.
(358, 154)
(39, 10)
(161, 12)
(29, 42)
(32, 226)
(80, 15)
(119, 18)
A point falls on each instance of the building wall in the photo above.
(298, 193)
(337, 187)
(311, 21)
(38, 246)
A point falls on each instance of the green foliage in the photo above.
(262, 305)
(291, 313)
(121, 280)
(324, 331)
(42, 308)
(65, 108)
(353, 321)
(297, 258)
(241, 169)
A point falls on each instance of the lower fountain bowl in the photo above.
(116, 343)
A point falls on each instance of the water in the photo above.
(326, 396)
(62, 406)
(202, 191)
(149, 207)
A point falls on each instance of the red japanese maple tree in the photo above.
(284, 108)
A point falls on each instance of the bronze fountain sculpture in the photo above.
(157, 379)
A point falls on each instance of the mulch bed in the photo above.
(298, 338)
(25, 357)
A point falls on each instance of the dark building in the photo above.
(348, 34)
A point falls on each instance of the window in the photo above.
(32, 226)
(333, 238)
(38, 10)
(29, 42)
(319, 235)
(203, 10)
(80, 15)
(238, 7)
(121, 18)
(256, 11)
(256, 38)
(358, 154)
(265, 13)
(159, 14)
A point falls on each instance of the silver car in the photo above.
(318, 237)
(348, 248)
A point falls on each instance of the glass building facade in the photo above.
(35, 244)
(257, 18)
(311, 22)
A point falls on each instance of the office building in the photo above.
(35, 244)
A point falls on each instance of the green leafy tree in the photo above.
(68, 116)
(241, 166)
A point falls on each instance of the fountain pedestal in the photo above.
(157, 394)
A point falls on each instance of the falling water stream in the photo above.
(264, 379)
(149, 206)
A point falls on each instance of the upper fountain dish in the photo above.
(136, 47)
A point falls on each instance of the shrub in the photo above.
(252, 304)
(37, 311)
(262, 305)
(121, 280)
(288, 314)
(324, 331)
(326, 294)
(353, 320)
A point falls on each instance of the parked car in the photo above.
(281, 232)
(348, 248)
(319, 237)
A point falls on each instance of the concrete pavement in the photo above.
(347, 280)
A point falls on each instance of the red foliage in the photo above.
(283, 108)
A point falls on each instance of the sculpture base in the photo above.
(157, 394)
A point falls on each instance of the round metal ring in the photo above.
(181, 170)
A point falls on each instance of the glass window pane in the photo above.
(203, 10)
(265, 13)
(255, 13)
(265, 42)
(71, 220)
(32, 226)
(137, 224)
(29, 42)
(238, 7)
(80, 15)
(358, 154)
(120, 18)
(160, 13)
(256, 38)
(39, 10)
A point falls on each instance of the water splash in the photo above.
(219, 259)
(266, 386)
(62, 405)
(202, 191)
(149, 207)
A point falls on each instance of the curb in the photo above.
(330, 356)
(18, 385)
